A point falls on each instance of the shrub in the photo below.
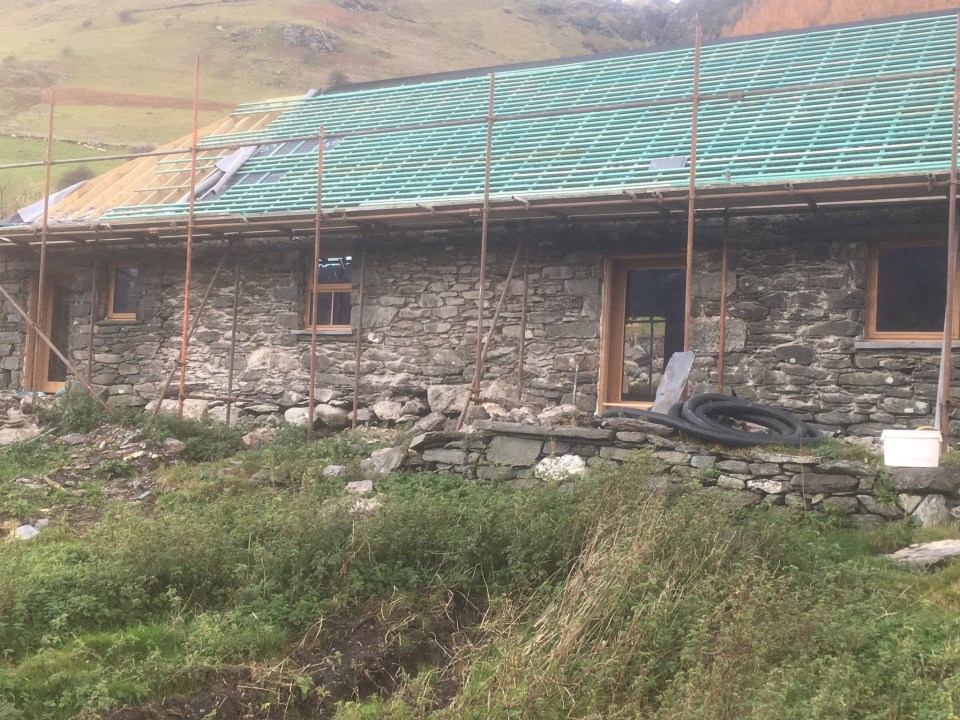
(74, 412)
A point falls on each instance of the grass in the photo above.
(603, 601)
(20, 187)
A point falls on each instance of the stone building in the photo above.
(822, 166)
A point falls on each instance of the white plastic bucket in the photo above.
(911, 448)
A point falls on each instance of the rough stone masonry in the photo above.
(796, 295)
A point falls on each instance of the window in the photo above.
(333, 283)
(906, 291)
(122, 301)
(643, 326)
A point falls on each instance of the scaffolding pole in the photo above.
(942, 419)
(191, 219)
(93, 312)
(692, 195)
(478, 370)
(522, 350)
(233, 330)
(484, 236)
(722, 334)
(312, 391)
(193, 327)
(44, 233)
(358, 350)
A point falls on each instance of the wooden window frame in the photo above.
(614, 306)
(870, 331)
(111, 314)
(331, 289)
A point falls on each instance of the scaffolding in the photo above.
(803, 195)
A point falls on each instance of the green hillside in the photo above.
(123, 70)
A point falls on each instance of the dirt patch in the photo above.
(366, 656)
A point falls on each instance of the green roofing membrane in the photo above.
(866, 126)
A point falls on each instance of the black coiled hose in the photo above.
(707, 417)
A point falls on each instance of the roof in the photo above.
(844, 104)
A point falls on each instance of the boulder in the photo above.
(560, 415)
(359, 487)
(383, 462)
(927, 554)
(258, 438)
(297, 416)
(415, 407)
(388, 410)
(932, 512)
(447, 399)
(335, 471)
(364, 416)
(9, 436)
(558, 469)
(331, 417)
(174, 446)
(192, 409)
(430, 423)
(25, 532)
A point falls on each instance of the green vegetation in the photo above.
(22, 186)
(600, 601)
(77, 412)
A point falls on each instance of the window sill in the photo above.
(324, 335)
(108, 322)
(902, 344)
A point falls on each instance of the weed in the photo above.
(75, 412)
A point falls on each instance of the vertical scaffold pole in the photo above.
(322, 138)
(522, 350)
(44, 233)
(484, 234)
(233, 330)
(946, 353)
(191, 220)
(93, 311)
(358, 351)
(724, 267)
(692, 195)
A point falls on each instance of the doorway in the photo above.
(643, 327)
(43, 370)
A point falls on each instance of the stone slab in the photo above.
(927, 554)
(514, 451)
(939, 479)
(813, 483)
(544, 431)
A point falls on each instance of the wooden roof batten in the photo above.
(727, 167)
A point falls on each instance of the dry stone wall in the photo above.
(525, 455)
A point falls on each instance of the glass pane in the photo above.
(652, 330)
(324, 308)
(333, 271)
(911, 289)
(341, 308)
(124, 290)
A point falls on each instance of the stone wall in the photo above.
(525, 455)
(796, 292)
(796, 305)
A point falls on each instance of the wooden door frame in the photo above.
(611, 325)
(38, 364)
